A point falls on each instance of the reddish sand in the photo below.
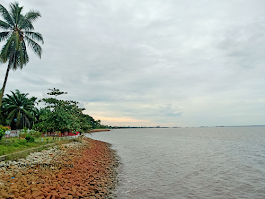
(92, 176)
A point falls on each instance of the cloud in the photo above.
(118, 120)
(173, 62)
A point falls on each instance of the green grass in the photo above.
(16, 156)
(12, 145)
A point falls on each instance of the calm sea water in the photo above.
(189, 162)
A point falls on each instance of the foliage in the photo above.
(3, 129)
(29, 138)
(18, 144)
(25, 132)
(58, 115)
(15, 144)
(17, 31)
(2, 133)
(18, 109)
(37, 134)
(39, 112)
(64, 115)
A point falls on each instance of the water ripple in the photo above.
(187, 163)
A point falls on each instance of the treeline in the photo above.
(19, 111)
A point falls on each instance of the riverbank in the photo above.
(18, 145)
(84, 169)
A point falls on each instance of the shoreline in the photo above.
(98, 130)
(93, 173)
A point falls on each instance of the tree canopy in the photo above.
(64, 116)
(19, 111)
(17, 31)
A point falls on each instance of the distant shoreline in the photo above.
(98, 130)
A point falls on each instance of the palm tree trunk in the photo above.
(4, 84)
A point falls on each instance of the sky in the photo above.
(173, 63)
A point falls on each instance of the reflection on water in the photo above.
(190, 162)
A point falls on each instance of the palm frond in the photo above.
(16, 12)
(24, 52)
(20, 32)
(11, 115)
(34, 36)
(35, 47)
(6, 15)
(6, 50)
(27, 114)
(32, 15)
(18, 106)
(4, 25)
(19, 58)
(4, 36)
(14, 61)
(26, 21)
(12, 98)
(25, 24)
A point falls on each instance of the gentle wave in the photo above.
(190, 162)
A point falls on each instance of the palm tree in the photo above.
(17, 32)
(38, 113)
(18, 109)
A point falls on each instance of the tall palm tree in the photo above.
(18, 30)
(18, 109)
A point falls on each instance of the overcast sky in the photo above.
(151, 62)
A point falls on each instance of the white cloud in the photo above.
(176, 63)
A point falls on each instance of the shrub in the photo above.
(3, 129)
(2, 133)
(22, 135)
(29, 138)
(22, 142)
(37, 134)
(16, 144)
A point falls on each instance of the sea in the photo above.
(165, 163)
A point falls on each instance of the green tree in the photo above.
(18, 109)
(64, 115)
(18, 30)
(38, 113)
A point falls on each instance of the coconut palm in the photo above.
(18, 30)
(18, 108)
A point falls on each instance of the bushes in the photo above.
(37, 134)
(2, 133)
(29, 138)
(25, 132)
(22, 142)
(3, 129)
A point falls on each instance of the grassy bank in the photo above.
(15, 144)
(12, 145)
